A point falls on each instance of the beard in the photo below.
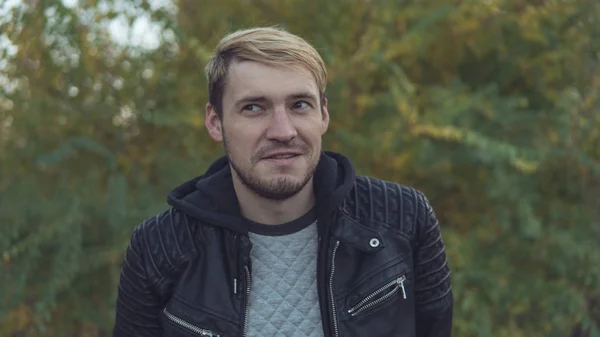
(276, 189)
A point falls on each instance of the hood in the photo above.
(211, 196)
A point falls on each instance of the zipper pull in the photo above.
(401, 282)
(235, 286)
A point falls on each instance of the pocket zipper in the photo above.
(397, 284)
(189, 326)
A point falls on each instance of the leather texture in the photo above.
(382, 252)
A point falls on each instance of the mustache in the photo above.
(262, 152)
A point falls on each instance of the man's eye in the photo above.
(252, 108)
(301, 105)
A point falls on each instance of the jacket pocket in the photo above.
(380, 296)
(189, 327)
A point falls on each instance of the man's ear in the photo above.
(324, 116)
(213, 123)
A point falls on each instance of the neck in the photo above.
(271, 212)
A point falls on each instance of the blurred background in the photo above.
(491, 107)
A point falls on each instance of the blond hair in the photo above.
(267, 45)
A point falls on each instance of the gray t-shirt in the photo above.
(283, 297)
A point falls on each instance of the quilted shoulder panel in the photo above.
(391, 203)
(167, 239)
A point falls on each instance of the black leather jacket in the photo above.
(382, 268)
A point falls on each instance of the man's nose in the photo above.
(281, 126)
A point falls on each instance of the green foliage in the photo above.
(489, 107)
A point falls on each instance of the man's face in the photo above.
(272, 124)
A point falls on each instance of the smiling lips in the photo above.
(282, 156)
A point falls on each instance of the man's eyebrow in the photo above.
(251, 99)
(303, 95)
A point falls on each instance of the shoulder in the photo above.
(392, 203)
(164, 240)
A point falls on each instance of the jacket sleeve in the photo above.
(138, 304)
(433, 287)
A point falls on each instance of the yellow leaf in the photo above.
(525, 166)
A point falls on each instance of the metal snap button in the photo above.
(374, 242)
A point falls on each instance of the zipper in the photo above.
(248, 288)
(333, 311)
(189, 326)
(367, 303)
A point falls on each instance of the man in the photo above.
(280, 238)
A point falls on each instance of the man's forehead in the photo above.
(264, 79)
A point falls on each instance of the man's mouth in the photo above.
(282, 155)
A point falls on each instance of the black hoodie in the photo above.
(211, 196)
